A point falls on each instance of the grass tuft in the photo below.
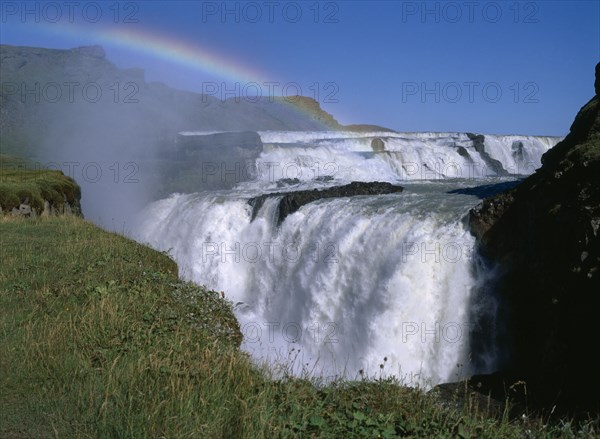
(23, 182)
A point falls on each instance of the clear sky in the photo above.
(489, 67)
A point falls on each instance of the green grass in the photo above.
(20, 182)
(100, 338)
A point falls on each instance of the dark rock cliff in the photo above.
(543, 237)
(292, 201)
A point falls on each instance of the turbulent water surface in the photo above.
(371, 284)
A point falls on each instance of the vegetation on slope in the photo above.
(22, 182)
(101, 339)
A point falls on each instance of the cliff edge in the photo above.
(543, 238)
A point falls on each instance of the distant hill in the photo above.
(51, 97)
(116, 134)
(363, 128)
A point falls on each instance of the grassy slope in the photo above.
(100, 339)
(20, 181)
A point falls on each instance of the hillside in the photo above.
(116, 134)
(100, 339)
(543, 239)
(50, 96)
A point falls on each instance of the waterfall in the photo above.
(374, 285)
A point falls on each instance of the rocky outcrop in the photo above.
(486, 190)
(292, 201)
(544, 239)
(28, 191)
(491, 163)
(26, 210)
(378, 145)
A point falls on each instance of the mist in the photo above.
(114, 133)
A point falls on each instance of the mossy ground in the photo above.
(101, 339)
(22, 181)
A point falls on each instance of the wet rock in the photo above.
(292, 201)
(377, 145)
(492, 164)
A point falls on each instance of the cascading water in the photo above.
(397, 156)
(378, 284)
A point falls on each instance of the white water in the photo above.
(343, 283)
(405, 156)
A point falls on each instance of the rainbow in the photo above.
(160, 46)
(180, 52)
(169, 49)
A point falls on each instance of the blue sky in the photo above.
(490, 66)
